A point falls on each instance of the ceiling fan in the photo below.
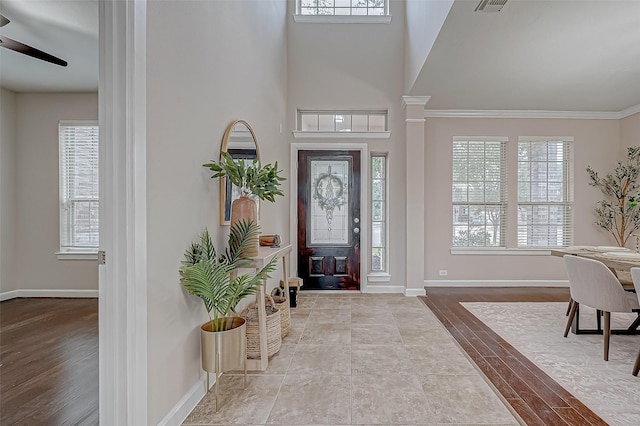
(27, 50)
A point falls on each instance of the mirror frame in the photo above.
(225, 192)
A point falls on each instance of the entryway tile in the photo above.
(321, 360)
(238, 405)
(312, 399)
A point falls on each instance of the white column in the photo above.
(414, 129)
(123, 277)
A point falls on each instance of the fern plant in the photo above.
(619, 214)
(211, 276)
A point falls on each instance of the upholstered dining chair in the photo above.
(635, 276)
(593, 284)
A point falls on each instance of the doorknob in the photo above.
(356, 230)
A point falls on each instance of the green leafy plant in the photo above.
(211, 277)
(619, 214)
(251, 177)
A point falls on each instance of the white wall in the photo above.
(209, 63)
(336, 66)
(7, 189)
(630, 131)
(36, 186)
(424, 21)
(596, 143)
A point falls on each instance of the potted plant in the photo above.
(254, 180)
(619, 214)
(213, 277)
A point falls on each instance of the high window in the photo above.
(378, 213)
(479, 192)
(78, 149)
(545, 192)
(343, 7)
(342, 121)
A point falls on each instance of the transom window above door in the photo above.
(342, 124)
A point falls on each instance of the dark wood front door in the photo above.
(329, 220)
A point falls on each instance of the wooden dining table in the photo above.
(620, 266)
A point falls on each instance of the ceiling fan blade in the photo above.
(3, 21)
(31, 51)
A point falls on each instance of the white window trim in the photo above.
(500, 251)
(511, 250)
(298, 134)
(488, 249)
(379, 276)
(341, 19)
(75, 253)
(568, 191)
(314, 134)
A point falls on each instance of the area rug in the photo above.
(575, 362)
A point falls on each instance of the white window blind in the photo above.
(479, 194)
(78, 143)
(545, 192)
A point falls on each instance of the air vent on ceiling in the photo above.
(490, 5)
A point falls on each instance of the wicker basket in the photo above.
(282, 303)
(274, 339)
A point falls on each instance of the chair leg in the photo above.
(607, 334)
(636, 367)
(572, 314)
(569, 307)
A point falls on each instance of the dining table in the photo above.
(620, 260)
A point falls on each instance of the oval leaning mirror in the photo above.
(241, 143)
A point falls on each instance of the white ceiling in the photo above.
(552, 55)
(536, 55)
(67, 29)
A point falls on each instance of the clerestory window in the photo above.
(343, 7)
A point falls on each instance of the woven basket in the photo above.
(285, 317)
(274, 339)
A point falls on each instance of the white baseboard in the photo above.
(385, 289)
(412, 292)
(496, 283)
(189, 401)
(48, 293)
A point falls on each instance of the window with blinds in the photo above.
(479, 192)
(78, 149)
(545, 192)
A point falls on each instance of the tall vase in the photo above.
(246, 209)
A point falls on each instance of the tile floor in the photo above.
(363, 359)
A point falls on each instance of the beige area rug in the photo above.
(575, 362)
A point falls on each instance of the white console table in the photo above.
(265, 255)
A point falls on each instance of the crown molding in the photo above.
(578, 115)
(630, 111)
(415, 100)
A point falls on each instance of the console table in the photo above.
(265, 255)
